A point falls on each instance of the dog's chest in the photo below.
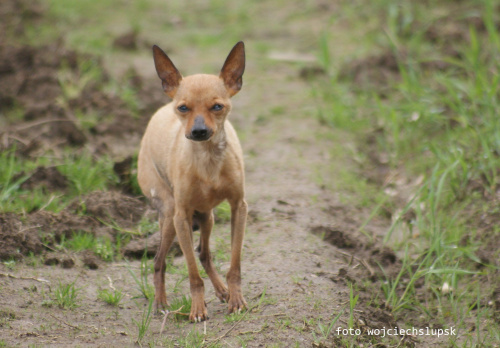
(204, 195)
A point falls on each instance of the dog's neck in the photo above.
(208, 156)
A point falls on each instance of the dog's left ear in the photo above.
(234, 66)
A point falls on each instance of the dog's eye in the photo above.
(217, 107)
(183, 108)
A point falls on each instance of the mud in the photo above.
(47, 177)
(98, 213)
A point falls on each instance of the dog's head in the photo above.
(201, 101)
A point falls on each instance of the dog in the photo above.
(190, 161)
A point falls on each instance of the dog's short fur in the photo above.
(190, 161)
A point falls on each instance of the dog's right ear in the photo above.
(167, 72)
(234, 66)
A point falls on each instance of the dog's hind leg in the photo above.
(206, 221)
(238, 220)
(167, 235)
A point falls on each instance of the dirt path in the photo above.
(294, 281)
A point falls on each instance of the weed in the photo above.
(223, 212)
(264, 300)
(112, 298)
(66, 296)
(193, 338)
(352, 303)
(146, 317)
(10, 264)
(146, 289)
(87, 174)
(13, 173)
(325, 330)
(101, 246)
(147, 226)
(181, 305)
(234, 317)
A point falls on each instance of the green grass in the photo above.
(101, 246)
(113, 298)
(325, 330)
(87, 174)
(183, 306)
(146, 290)
(440, 125)
(143, 324)
(66, 296)
(193, 338)
(84, 173)
(223, 212)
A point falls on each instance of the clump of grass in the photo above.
(147, 290)
(147, 226)
(182, 307)
(14, 171)
(87, 174)
(112, 298)
(193, 338)
(223, 212)
(234, 317)
(66, 296)
(10, 264)
(143, 325)
(101, 246)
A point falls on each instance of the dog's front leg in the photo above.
(238, 222)
(185, 237)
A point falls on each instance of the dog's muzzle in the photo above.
(200, 131)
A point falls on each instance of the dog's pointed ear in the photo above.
(167, 72)
(234, 66)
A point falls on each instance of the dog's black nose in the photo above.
(200, 132)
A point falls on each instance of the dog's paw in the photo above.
(199, 311)
(222, 294)
(237, 303)
(160, 303)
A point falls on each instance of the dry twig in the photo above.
(8, 275)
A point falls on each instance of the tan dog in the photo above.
(190, 161)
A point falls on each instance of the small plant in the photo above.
(182, 306)
(65, 296)
(147, 226)
(101, 246)
(352, 303)
(146, 289)
(143, 325)
(223, 212)
(104, 248)
(87, 174)
(112, 298)
(10, 264)
(325, 330)
(234, 317)
(192, 339)
(80, 241)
